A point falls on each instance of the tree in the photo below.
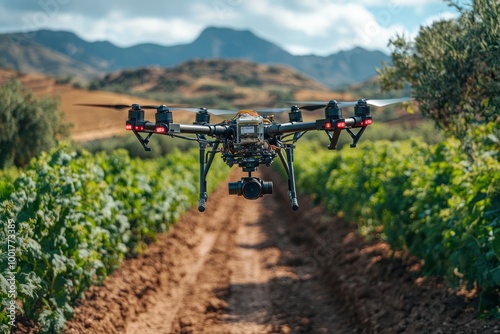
(453, 67)
(28, 124)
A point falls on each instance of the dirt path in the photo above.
(257, 267)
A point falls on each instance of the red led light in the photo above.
(366, 122)
(341, 125)
(128, 127)
(328, 125)
(139, 128)
(160, 129)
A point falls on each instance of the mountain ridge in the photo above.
(99, 57)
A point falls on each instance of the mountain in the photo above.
(63, 53)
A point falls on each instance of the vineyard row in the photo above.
(432, 201)
(72, 217)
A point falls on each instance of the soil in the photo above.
(258, 267)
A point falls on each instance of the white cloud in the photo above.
(439, 17)
(323, 28)
(301, 27)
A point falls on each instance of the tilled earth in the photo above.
(258, 267)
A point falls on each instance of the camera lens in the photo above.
(267, 187)
(251, 189)
(234, 188)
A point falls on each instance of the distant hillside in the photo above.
(63, 53)
(214, 83)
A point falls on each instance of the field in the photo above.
(240, 267)
(258, 267)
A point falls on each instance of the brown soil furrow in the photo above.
(266, 284)
(158, 317)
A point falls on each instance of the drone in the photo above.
(252, 137)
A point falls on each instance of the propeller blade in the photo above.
(215, 112)
(385, 102)
(313, 105)
(111, 106)
(116, 106)
(272, 110)
(149, 107)
(307, 102)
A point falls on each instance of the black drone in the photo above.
(252, 137)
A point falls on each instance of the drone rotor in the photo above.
(313, 105)
(215, 112)
(118, 106)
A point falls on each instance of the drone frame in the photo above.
(332, 124)
(251, 139)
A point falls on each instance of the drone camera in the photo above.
(250, 188)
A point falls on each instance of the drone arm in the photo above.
(280, 129)
(206, 129)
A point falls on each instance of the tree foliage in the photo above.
(28, 124)
(453, 67)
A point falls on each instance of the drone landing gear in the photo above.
(356, 136)
(204, 168)
(144, 141)
(288, 164)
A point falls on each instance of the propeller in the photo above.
(272, 110)
(114, 106)
(313, 105)
(119, 106)
(215, 112)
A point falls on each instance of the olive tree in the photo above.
(453, 67)
(28, 124)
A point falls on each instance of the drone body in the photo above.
(251, 138)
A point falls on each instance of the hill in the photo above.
(63, 53)
(216, 83)
(88, 123)
(197, 83)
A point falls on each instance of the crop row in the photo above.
(72, 217)
(431, 201)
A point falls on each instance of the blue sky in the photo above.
(317, 27)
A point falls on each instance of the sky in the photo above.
(319, 27)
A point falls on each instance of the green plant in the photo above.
(428, 200)
(77, 216)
